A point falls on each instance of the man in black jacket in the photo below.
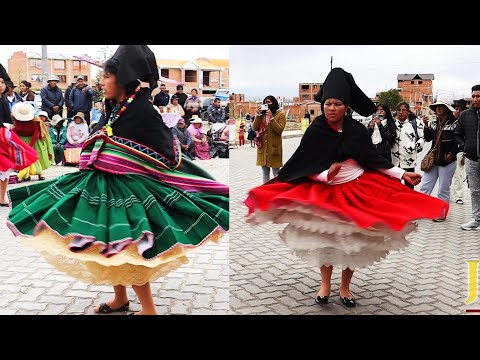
(68, 103)
(182, 97)
(162, 98)
(52, 97)
(467, 136)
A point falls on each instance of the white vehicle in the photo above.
(223, 95)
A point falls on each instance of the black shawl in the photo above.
(143, 124)
(4, 110)
(321, 146)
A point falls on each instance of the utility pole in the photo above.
(331, 62)
(44, 64)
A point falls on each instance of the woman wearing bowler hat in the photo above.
(14, 153)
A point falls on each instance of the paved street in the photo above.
(29, 285)
(428, 277)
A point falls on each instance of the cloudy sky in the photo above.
(187, 52)
(260, 70)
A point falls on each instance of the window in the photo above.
(314, 86)
(420, 82)
(85, 78)
(312, 112)
(412, 82)
(62, 78)
(59, 64)
(84, 65)
(36, 78)
(190, 75)
(36, 63)
(165, 73)
(75, 64)
(305, 97)
(206, 78)
(305, 87)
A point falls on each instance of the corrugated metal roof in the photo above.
(403, 77)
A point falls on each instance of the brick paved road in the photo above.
(29, 285)
(429, 277)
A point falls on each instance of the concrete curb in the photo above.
(290, 136)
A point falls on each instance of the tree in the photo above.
(391, 98)
(103, 54)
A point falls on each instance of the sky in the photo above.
(260, 70)
(187, 52)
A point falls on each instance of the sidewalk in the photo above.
(291, 134)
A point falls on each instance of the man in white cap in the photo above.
(52, 97)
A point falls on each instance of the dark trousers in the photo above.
(407, 184)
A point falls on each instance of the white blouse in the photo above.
(351, 170)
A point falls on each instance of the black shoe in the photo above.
(321, 300)
(348, 301)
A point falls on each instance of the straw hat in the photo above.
(56, 119)
(434, 106)
(196, 120)
(23, 111)
(79, 114)
(53, 78)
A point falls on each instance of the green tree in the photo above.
(391, 98)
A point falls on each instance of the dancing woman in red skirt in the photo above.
(14, 153)
(343, 202)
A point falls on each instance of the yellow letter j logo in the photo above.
(472, 281)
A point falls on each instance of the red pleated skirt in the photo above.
(371, 201)
(14, 153)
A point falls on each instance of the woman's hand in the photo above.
(377, 120)
(269, 113)
(412, 178)
(426, 120)
(372, 124)
(333, 170)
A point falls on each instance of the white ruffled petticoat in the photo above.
(321, 238)
(6, 174)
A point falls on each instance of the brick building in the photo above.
(205, 75)
(307, 91)
(416, 89)
(28, 66)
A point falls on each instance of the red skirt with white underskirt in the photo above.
(14, 153)
(349, 225)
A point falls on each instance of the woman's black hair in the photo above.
(194, 90)
(390, 123)
(275, 106)
(26, 83)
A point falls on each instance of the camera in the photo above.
(264, 107)
(380, 116)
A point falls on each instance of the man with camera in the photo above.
(81, 98)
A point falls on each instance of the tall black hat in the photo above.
(134, 62)
(340, 84)
(4, 74)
